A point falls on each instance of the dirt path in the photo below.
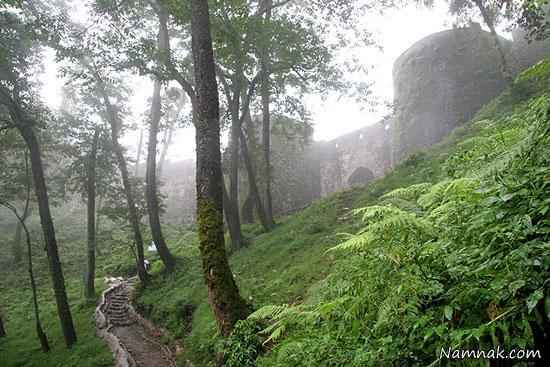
(134, 341)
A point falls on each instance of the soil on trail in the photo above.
(135, 336)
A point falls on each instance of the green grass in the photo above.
(21, 346)
(290, 265)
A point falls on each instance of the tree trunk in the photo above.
(234, 105)
(504, 68)
(132, 210)
(223, 294)
(2, 329)
(254, 192)
(151, 175)
(50, 241)
(228, 210)
(39, 331)
(123, 167)
(16, 248)
(266, 119)
(151, 178)
(89, 287)
(167, 141)
(247, 209)
(138, 154)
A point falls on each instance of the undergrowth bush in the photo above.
(463, 262)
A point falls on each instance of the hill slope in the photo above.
(450, 250)
(453, 252)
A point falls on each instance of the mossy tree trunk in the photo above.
(223, 295)
(89, 286)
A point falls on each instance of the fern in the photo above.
(410, 193)
(283, 317)
(387, 223)
(448, 190)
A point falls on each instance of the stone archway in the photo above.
(360, 176)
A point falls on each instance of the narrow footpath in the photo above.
(134, 341)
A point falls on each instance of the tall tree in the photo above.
(18, 99)
(89, 288)
(253, 186)
(151, 173)
(116, 124)
(223, 294)
(96, 63)
(16, 247)
(266, 114)
(175, 101)
(39, 330)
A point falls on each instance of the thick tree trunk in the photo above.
(151, 182)
(504, 68)
(266, 119)
(89, 287)
(254, 192)
(50, 241)
(223, 294)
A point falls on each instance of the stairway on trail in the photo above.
(136, 341)
(117, 310)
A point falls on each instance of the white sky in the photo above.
(396, 31)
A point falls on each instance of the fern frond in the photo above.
(389, 224)
(445, 191)
(409, 193)
(377, 212)
(268, 312)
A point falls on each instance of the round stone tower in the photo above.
(441, 82)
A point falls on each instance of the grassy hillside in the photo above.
(451, 249)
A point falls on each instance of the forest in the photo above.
(274, 183)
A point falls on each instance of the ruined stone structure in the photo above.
(440, 82)
(525, 54)
(444, 79)
(344, 160)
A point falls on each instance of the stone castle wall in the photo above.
(440, 82)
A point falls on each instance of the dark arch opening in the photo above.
(360, 176)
